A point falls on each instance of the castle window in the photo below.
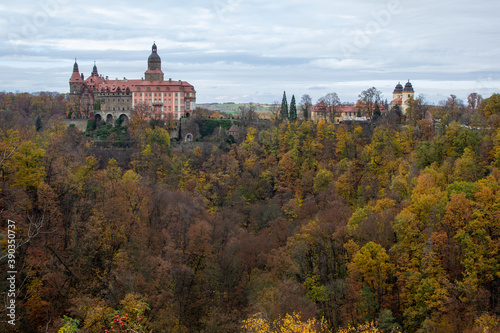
(157, 88)
(170, 94)
(169, 108)
(138, 88)
(148, 88)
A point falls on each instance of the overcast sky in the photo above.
(253, 50)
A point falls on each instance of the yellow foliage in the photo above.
(370, 327)
(289, 324)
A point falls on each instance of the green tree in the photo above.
(293, 109)
(284, 107)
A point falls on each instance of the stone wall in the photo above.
(81, 124)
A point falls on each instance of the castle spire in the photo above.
(94, 70)
(154, 72)
(75, 67)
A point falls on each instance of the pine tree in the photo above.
(376, 113)
(293, 109)
(284, 107)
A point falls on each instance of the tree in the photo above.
(247, 112)
(332, 100)
(275, 110)
(376, 113)
(290, 324)
(395, 115)
(306, 106)
(492, 106)
(293, 109)
(474, 100)
(369, 97)
(451, 110)
(284, 107)
(38, 123)
(416, 109)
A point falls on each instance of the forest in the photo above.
(393, 226)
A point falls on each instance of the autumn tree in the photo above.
(306, 106)
(332, 101)
(368, 98)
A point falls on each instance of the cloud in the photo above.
(255, 49)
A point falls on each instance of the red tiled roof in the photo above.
(154, 71)
(321, 107)
(132, 85)
(75, 77)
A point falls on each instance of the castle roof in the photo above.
(154, 55)
(75, 76)
(398, 89)
(134, 85)
(408, 87)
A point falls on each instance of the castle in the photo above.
(110, 100)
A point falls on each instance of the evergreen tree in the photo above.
(284, 107)
(38, 124)
(376, 113)
(293, 109)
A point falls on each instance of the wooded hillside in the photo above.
(300, 224)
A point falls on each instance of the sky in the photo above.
(253, 50)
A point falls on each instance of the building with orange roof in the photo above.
(342, 113)
(152, 96)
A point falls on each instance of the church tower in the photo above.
(154, 72)
(408, 93)
(398, 93)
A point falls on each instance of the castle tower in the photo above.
(407, 94)
(154, 72)
(76, 81)
(94, 70)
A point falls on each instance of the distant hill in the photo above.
(233, 107)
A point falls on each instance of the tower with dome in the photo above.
(401, 95)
